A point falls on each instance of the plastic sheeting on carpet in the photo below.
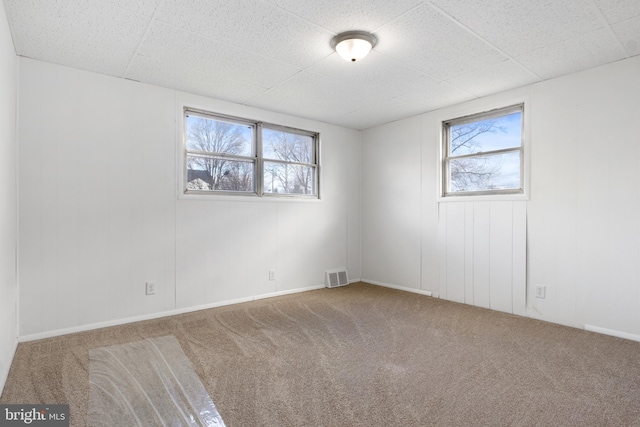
(147, 383)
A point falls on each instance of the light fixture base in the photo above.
(353, 45)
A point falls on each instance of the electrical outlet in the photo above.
(272, 275)
(150, 288)
(541, 291)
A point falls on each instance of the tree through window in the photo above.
(220, 155)
(232, 155)
(289, 162)
(483, 153)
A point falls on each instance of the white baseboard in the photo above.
(288, 292)
(89, 327)
(5, 372)
(612, 332)
(400, 288)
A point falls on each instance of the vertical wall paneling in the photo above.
(484, 254)
(442, 250)
(481, 254)
(455, 252)
(519, 266)
(468, 254)
(501, 262)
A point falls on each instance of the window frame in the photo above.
(446, 158)
(257, 158)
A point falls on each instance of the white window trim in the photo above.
(480, 108)
(259, 195)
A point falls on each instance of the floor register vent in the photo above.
(336, 278)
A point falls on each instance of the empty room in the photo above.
(330, 213)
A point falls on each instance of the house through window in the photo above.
(228, 155)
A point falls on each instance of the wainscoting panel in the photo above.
(482, 247)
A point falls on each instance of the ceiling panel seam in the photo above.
(406, 12)
(142, 39)
(608, 25)
(479, 37)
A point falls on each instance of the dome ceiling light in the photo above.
(353, 45)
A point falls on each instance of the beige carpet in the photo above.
(363, 355)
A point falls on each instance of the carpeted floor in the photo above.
(364, 355)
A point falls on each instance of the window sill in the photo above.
(484, 198)
(246, 198)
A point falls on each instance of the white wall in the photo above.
(391, 188)
(583, 215)
(100, 213)
(8, 199)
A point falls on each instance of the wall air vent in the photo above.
(336, 278)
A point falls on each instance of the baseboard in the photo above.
(117, 322)
(289, 292)
(400, 288)
(5, 372)
(612, 332)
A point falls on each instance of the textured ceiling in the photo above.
(276, 54)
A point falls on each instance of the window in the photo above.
(289, 161)
(227, 155)
(483, 153)
(220, 154)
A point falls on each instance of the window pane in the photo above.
(287, 146)
(220, 137)
(484, 173)
(206, 173)
(486, 135)
(289, 179)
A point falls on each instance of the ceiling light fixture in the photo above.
(353, 45)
